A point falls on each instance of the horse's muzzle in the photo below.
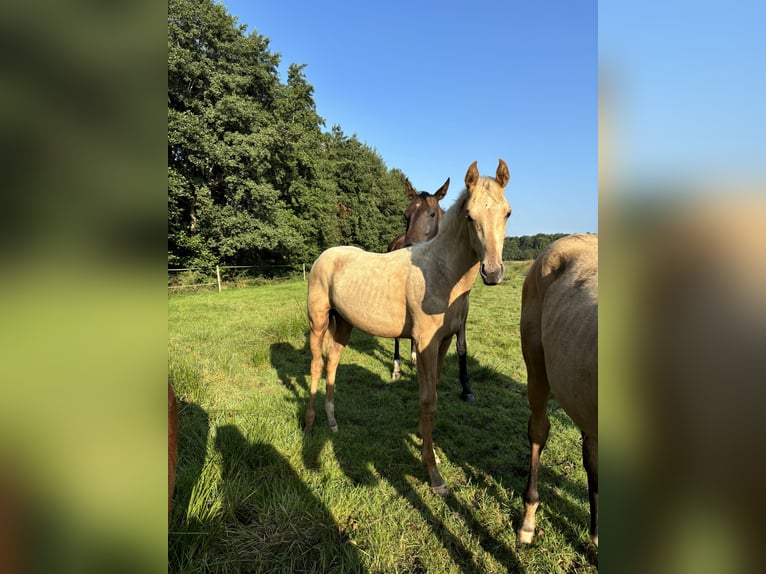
(492, 274)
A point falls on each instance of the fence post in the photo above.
(218, 276)
(304, 272)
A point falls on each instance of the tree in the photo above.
(528, 247)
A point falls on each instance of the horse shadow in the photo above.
(247, 463)
(366, 398)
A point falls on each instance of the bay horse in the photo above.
(423, 216)
(420, 292)
(559, 341)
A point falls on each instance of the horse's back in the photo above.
(366, 288)
(560, 315)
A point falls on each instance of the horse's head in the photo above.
(487, 212)
(423, 214)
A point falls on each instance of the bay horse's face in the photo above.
(487, 212)
(423, 214)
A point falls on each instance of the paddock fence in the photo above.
(220, 277)
(183, 279)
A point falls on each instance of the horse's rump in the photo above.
(560, 311)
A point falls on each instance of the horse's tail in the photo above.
(329, 335)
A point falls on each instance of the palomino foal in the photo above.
(420, 292)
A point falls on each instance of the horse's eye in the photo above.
(433, 214)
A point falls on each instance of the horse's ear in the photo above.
(442, 191)
(503, 175)
(472, 175)
(409, 189)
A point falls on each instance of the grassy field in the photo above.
(253, 494)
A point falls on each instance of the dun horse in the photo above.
(559, 340)
(420, 292)
(423, 216)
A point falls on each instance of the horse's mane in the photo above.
(454, 213)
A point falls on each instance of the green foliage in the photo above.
(527, 247)
(252, 178)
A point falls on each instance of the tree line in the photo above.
(253, 179)
(526, 247)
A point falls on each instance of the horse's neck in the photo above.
(452, 248)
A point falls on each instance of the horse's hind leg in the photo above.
(430, 361)
(590, 461)
(460, 347)
(340, 336)
(537, 430)
(397, 372)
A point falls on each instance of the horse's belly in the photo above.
(373, 310)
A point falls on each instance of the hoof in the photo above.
(526, 536)
(468, 398)
(334, 428)
(396, 376)
(441, 489)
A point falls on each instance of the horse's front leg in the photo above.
(429, 363)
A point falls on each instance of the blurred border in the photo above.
(84, 328)
(682, 224)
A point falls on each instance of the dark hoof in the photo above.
(468, 397)
(441, 489)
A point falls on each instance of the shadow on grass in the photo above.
(193, 428)
(258, 516)
(279, 523)
(486, 439)
(186, 537)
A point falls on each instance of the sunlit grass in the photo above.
(254, 494)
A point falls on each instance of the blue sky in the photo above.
(688, 80)
(434, 85)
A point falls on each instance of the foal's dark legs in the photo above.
(460, 347)
(397, 372)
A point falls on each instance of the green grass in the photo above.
(253, 494)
